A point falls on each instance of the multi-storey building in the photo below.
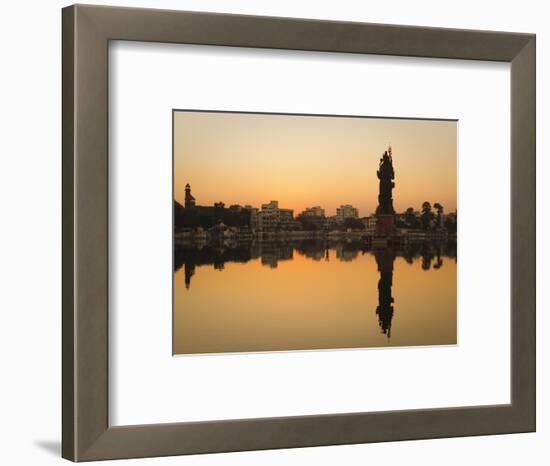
(369, 222)
(315, 211)
(253, 216)
(346, 211)
(272, 217)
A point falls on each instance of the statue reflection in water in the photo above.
(384, 311)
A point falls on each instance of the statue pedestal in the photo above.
(385, 225)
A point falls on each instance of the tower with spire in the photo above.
(189, 199)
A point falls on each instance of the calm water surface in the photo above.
(312, 295)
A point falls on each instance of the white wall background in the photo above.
(30, 194)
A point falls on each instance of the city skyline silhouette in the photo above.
(304, 161)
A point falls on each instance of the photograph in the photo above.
(309, 232)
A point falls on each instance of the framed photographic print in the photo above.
(282, 233)
(306, 239)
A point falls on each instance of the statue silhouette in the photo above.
(386, 176)
(385, 213)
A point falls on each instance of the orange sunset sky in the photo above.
(305, 161)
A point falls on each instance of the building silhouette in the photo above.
(346, 211)
(315, 211)
(272, 217)
(189, 199)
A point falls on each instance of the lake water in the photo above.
(303, 295)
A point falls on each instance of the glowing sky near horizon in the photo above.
(305, 161)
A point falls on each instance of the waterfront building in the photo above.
(346, 211)
(189, 199)
(253, 216)
(272, 217)
(370, 223)
(268, 216)
(315, 211)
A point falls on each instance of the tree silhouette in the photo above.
(410, 218)
(427, 214)
(450, 225)
(354, 224)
